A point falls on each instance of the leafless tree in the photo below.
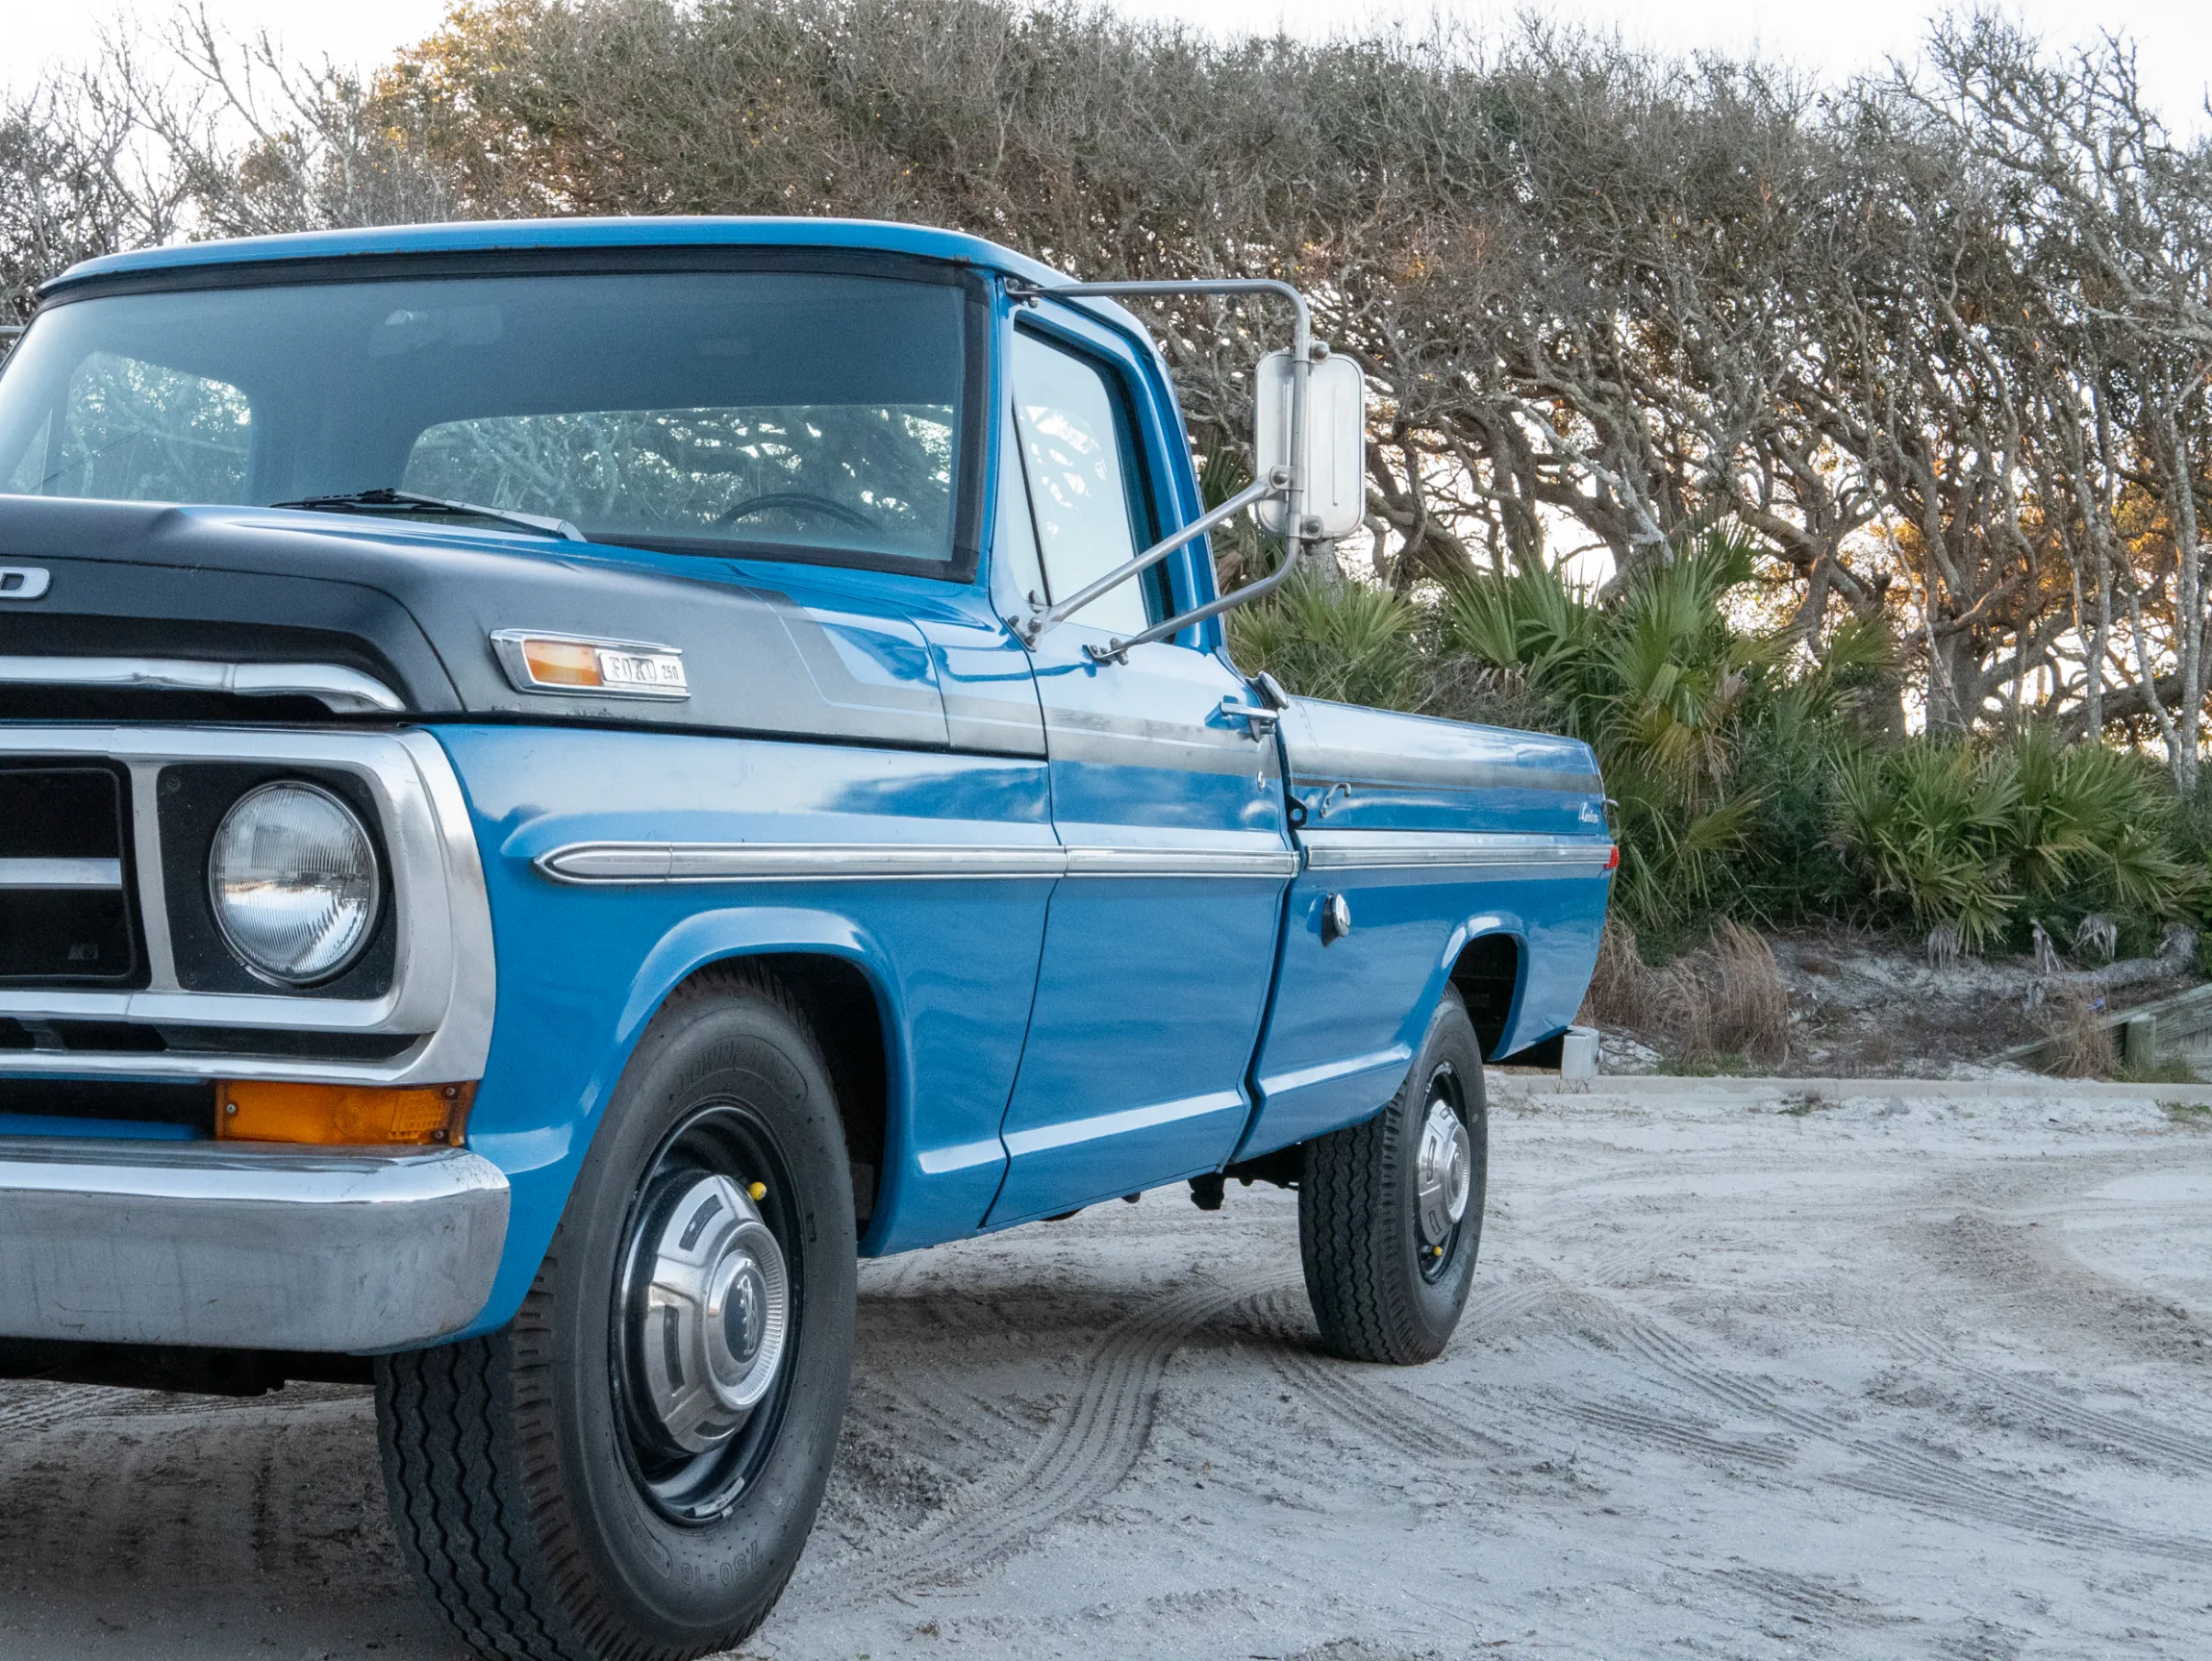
(77, 180)
(1938, 338)
(265, 144)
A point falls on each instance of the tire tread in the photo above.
(1347, 1229)
(471, 1469)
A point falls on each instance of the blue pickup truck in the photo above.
(561, 782)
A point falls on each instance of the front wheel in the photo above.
(1390, 1211)
(631, 1467)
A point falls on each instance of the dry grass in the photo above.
(2080, 1042)
(1741, 994)
(1619, 994)
(1727, 998)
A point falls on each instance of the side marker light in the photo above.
(341, 1114)
(540, 662)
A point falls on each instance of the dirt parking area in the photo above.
(1749, 1371)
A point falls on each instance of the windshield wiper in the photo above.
(389, 501)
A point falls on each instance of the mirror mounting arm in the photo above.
(1118, 651)
(1033, 626)
(1283, 481)
(1301, 332)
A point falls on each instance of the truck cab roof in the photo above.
(559, 236)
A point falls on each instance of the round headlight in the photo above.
(293, 878)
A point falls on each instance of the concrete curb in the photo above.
(1506, 1082)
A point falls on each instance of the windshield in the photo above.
(799, 414)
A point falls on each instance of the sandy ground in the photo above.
(1745, 1376)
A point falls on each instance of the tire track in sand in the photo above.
(1086, 1453)
(2122, 1433)
(29, 1407)
(1369, 1401)
(1356, 1395)
(1892, 1468)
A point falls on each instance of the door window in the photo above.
(1082, 486)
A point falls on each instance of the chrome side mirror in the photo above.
(1324, 443)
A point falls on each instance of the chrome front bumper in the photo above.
(245, 1247)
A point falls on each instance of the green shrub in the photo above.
(1346, 640)
(1922, 823)
(1987, 840)
(1656, 678)
(1793, 747)
(1745, 779)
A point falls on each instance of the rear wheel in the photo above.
(1390, 1211)
(631, 1467)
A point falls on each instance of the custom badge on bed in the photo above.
(537, 661)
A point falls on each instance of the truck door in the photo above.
(1159, 943)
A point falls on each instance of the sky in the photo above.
(2175, 36)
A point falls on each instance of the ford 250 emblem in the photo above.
(22, 582)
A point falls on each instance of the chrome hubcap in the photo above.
(1444, 1172)
(708, 1311)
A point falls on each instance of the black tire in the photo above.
(1386, 1286)
(519, 1482)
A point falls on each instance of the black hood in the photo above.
(417, 609)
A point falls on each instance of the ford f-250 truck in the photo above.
(561, 782)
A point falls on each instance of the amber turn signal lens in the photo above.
(563, 663)
(343, 1115)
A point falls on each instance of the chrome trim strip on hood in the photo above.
(339, 689)
(55, 873)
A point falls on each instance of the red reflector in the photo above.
(1612, 857)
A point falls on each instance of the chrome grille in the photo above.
(65, 915)
(89, 820)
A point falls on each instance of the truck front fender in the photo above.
(586, 962)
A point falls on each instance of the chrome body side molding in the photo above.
(641, 862)
(236, 1245)
(1339, 850)
(798, 862)
(1197, 862)
(339, 689)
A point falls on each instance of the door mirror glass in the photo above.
(1333, 469)
(1067, 417)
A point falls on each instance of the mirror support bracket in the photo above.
(1118, 651)
(1044, 618)
(1281, 482)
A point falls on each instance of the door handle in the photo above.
(1259, 720)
